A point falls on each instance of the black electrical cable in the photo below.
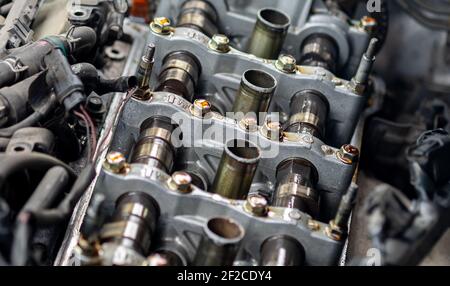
(49, 189)
(35, 161)
(47, 192)
(31, 120)
(88, 133)
(94, 80)
(65, 208)
(22, 236)
(27, 122)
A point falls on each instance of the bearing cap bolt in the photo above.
(368, 23)
(348, 154)
(273, 130)
(256, 205)
(219, 43)
(181, 182)
(161, 25)
(115, 162)
(249, 123)
(286, 64)
(200, 108)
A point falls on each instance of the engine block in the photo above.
(227, 155)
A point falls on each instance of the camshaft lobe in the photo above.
(179, 75)
(282, 250)
(198, 15)
(309, 113)
(133, 223)
(154, 147)
(319, 51)
(296, 180)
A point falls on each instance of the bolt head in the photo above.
(115, 162)
(181, 181)
(256, 204)
(348, 154)
(95, 103)
(273, 130)
(249, 123)
(201, 107)
(295, 214)
(313, 225)
(368, 23)
(161, 25)
(335, 232)
(286, 63)
(220, 43)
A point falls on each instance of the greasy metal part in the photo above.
(219, 81)
(320, 51)
(198, 15)
(286, 63)
(133, 223)
(179, 74)
(338, 228)
(359, 81)
(219, 43)
(282, 250)
(334, 175)
(115, 162)
(269, 33)
(255, 92)
(309, 114)
(155, 147)
(272, 130)
(237, 169)
(348, 154)
(146, 67)
(161, 25)
(186, 208)
(296, 186)
(200, 108)
(185, 224)
(237, 20)
(220, 242)
(257, 205)
(181, 182)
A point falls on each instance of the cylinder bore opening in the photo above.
(225, 228)
(259, 79)
(274, 17)
(243, 149)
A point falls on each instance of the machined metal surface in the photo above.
(219, 81)
(223, 132)
(205, 150)
(237, 19)
(182, 227)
